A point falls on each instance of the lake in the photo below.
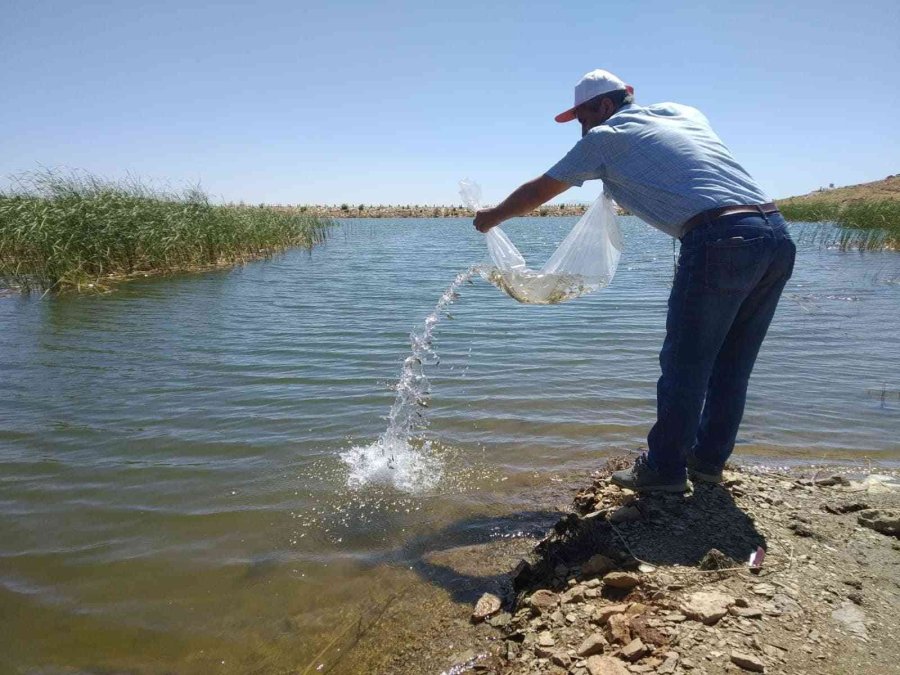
(172, 493)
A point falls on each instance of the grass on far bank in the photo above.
(71, 231)
(864, 225)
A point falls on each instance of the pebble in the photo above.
(622, 580)
(543, 601)
(597, 565)
(593, 644)
(881, 520)
(706, 606)
(605, 665)
(634, 650)
(748, 662)
(602, 614)
(487, 605)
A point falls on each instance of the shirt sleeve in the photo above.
(583, 162)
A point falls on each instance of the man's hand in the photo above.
(523, 200)
(486, 219)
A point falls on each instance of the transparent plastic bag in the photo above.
(585, 261)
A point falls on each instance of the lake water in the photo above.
(172, 493)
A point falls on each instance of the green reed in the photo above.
(865, 225)
(76, 231)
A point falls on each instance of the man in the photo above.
(665, 164)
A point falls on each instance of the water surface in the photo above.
(172, 496)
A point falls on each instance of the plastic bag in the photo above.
(585, 261)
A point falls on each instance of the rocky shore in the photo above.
(766, 573)
(769, 572)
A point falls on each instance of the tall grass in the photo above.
(864, 224)
(70, 231)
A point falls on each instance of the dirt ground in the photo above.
(663, 584)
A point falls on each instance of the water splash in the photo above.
(401, 457)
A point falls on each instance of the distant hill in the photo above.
(886, 189)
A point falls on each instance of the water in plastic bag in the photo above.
(585, 261)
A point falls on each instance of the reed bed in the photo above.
(865, 225)
(77, 231)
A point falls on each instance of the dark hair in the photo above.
(618, 98)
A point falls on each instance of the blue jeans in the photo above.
(730, 275)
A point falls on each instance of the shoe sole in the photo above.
(705, 477)
(680, 487)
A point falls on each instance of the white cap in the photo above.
(593, 84)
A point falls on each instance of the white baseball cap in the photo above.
(593, 84)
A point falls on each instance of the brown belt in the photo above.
(712, 214)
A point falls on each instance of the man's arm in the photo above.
(523, 199)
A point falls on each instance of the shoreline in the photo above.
(624, 584)
(413, 210)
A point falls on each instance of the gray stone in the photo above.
(626, 514)
(635, 650)
(597, 565)
(881, 520)
(852, 618)
(622, 580)
(574, 594)
(545, 639)
(706, 606)
(748, 662)
(593, 644)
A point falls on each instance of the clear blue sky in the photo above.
(312, 102)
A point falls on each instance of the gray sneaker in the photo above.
(705, 474)
(643, 478)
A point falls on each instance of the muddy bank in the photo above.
(665, 584)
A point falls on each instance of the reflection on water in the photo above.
(172, 493)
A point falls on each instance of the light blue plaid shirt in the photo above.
(662, 162)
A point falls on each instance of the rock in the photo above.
(463, 658)
(500, 620)
(521, 574)
(881, 520)
(605, 665)
(707, 606)
(767, 590)
(593, 644)
(839, 509)
(574, 594)
(618, 630)
(786, 604)
(602, 614)
(748, 662)
(802, 529)
(635, 650)
(716, 560)
(625, 514)
(543, 601)
(746, 612)
(487, 605)
(829, 481)
(623, 580)
(668, 666)
(597, 565)
(561, 659)
(852, 618)
(545, 639)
